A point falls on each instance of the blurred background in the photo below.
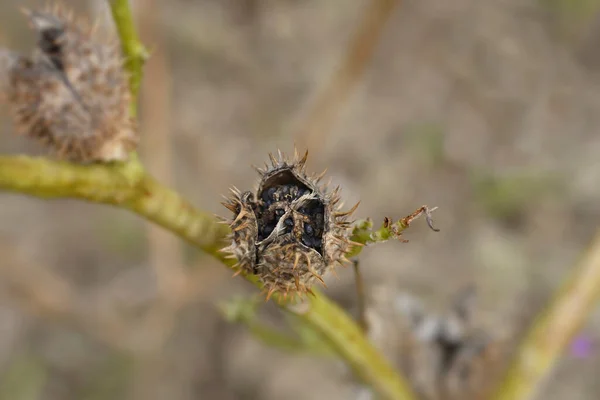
(489, 109)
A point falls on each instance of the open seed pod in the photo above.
(290, 232)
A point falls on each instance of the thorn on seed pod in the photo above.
(72, 93)
(291, 230)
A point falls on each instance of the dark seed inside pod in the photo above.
(266, 230)
(314, 221)
(307, 240)
(289, 225)
(276, 199)
(308, 229)
(267, 196)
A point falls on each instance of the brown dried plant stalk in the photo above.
(336, 91)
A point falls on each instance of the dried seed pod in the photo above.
(452, 357)
(73, 92)
(291, 231)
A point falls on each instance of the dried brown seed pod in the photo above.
(451, 356)
(291, 231)
(73, 92)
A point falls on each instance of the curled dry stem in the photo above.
(364, 234)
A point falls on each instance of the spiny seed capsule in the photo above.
(290, 231)
(73, 94)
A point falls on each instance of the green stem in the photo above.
(122, 185)
(243, 310)
(364, 234)
(135, 53)
(284, 342)
(553, 330)
(360, 297)
(348, 339)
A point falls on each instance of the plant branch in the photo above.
(553, 329)
(360, 296)
(243, 310)
(135, 53)
(122, 185)
(348, 339)
(363, 233)
(358, 54)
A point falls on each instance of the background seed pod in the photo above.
(73, 93)
(291, 231)
(448, 354)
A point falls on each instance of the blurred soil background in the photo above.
(489, 109)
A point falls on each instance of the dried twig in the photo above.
(359, 52)
(553, 330)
